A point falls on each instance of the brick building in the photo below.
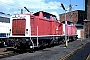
(87, 20)
(78, 16)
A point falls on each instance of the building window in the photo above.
(75, 15)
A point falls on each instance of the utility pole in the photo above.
(65, 26)
(70, 16)
(70, 11)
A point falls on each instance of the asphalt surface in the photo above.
(81, 54)
(55, 53)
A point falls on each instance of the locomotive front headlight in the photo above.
(31, 46)
(26, 31)
(10, 31)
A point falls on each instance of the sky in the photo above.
(51, 6)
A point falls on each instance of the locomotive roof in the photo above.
(37, 13)
(68, 22)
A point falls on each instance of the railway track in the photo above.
(10, 54)
(4, 53)
(88, 58)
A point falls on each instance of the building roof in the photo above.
(4, 19)
(86, 20)
(4, 15)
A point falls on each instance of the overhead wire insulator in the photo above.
(63, 6)
(26, 9)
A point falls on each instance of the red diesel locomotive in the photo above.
(39, 30)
